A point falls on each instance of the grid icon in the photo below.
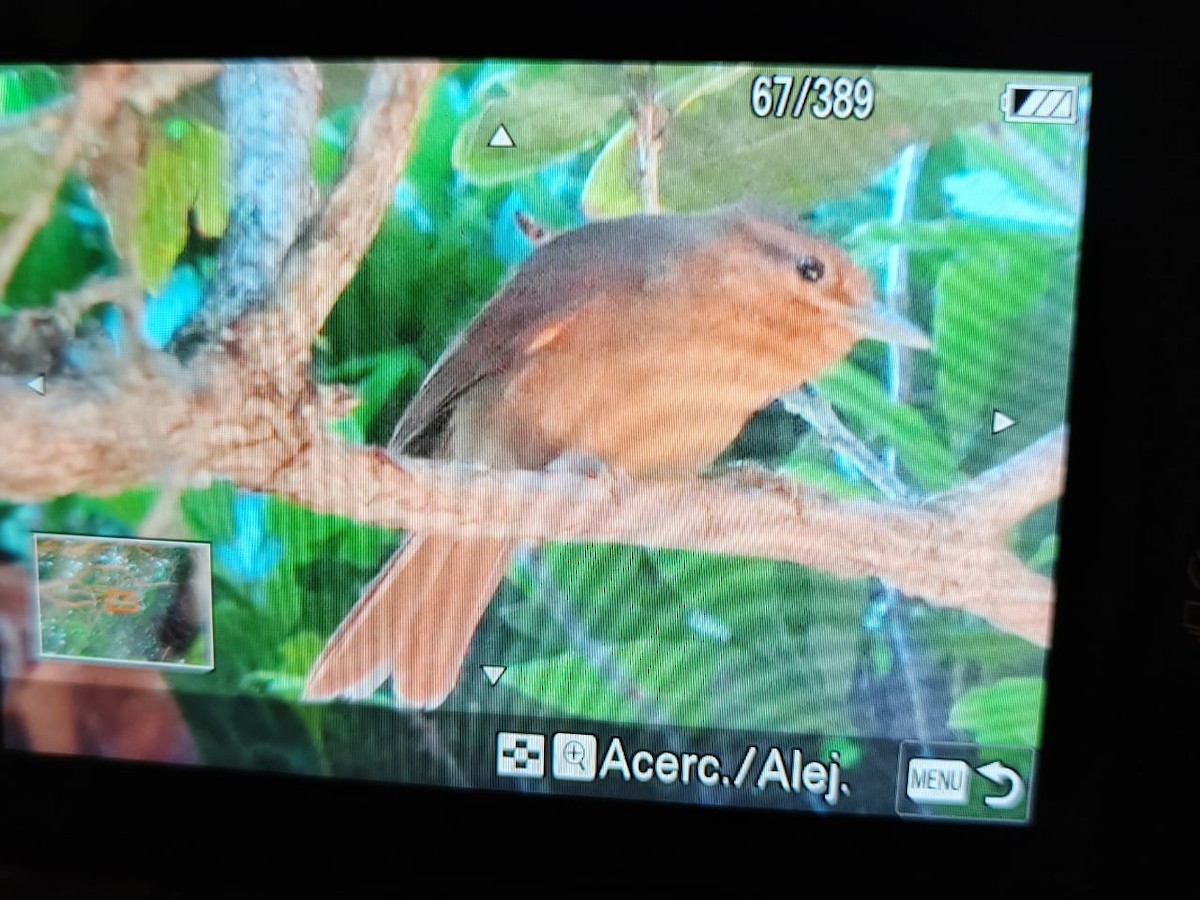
(520, 755)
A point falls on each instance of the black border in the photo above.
(1119, 653)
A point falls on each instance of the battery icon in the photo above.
(1053, 103)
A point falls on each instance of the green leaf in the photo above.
(1007, 712)
(209, 512)
(717, 152)
(130, 507)
(24, 87)
(786, 661)
(185, 171)
(549, 118)
(614, 589)
(983, 150)
(68, 249)
(983, 294)
(297, 653)
(1046, 554)
(737, 591)
(381, 377)
(823, 476)
(947, 236)
(569, 683)
(958, 640)
(883, 658)
(850, 751)
(285, 601)
(553, 112)
(920, 448)
(309, 535)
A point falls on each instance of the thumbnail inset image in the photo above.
(124, 601)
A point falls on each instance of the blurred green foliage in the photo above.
(700, 640)
(1007, 712)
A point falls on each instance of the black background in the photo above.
(1116, 789)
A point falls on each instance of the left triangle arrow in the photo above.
(37, 384)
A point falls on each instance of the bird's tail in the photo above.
(414, 622)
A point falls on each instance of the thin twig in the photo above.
(156, 84)
(435, 745)
(899, 383)
(807, 403)
(396, 98)
(535, 231)
(649, 119)
(599, 655)
(34, 124)
(99, 93)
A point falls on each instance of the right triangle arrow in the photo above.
(501, 138)
(493, 673)
(1001, 422)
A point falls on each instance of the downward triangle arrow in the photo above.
(501, 138)
(493, 673)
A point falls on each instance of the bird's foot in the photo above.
(579, 464)
(756, 476)
(590, 466)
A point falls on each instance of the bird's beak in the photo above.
(876, 322)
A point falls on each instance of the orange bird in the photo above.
(643, 343)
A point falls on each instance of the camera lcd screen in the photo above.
(688, 433)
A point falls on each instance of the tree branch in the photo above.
(271, 111)
(648, 119)
(949, 555)
(247, 412)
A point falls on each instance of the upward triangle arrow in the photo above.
(501, 138)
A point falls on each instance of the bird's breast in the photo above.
(654, 398)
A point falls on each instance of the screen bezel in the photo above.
(1096, 602)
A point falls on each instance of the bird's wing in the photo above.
(559, 278)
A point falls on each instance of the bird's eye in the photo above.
(810, 268)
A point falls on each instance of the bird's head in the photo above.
(805, 286)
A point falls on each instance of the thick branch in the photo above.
(951, 553)
(1007, 494)
(271, 112)
(320, 268)
(939, 554)
(256, 401)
